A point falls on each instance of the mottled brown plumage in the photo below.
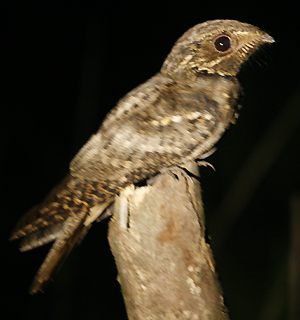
(176, 116)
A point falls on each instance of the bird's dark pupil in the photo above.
(222, 43)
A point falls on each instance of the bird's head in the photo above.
(214, 47)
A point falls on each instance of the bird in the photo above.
(178, 115)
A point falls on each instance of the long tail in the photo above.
(70, 234)
(64, 216)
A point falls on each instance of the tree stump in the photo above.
(157, 236)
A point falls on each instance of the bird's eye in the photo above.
(222, 43)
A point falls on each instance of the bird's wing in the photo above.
(147, 132)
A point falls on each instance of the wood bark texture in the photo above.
(157, 236)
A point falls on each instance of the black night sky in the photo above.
(65, 65)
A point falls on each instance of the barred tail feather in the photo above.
(71, 232)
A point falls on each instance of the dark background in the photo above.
(65, 66)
